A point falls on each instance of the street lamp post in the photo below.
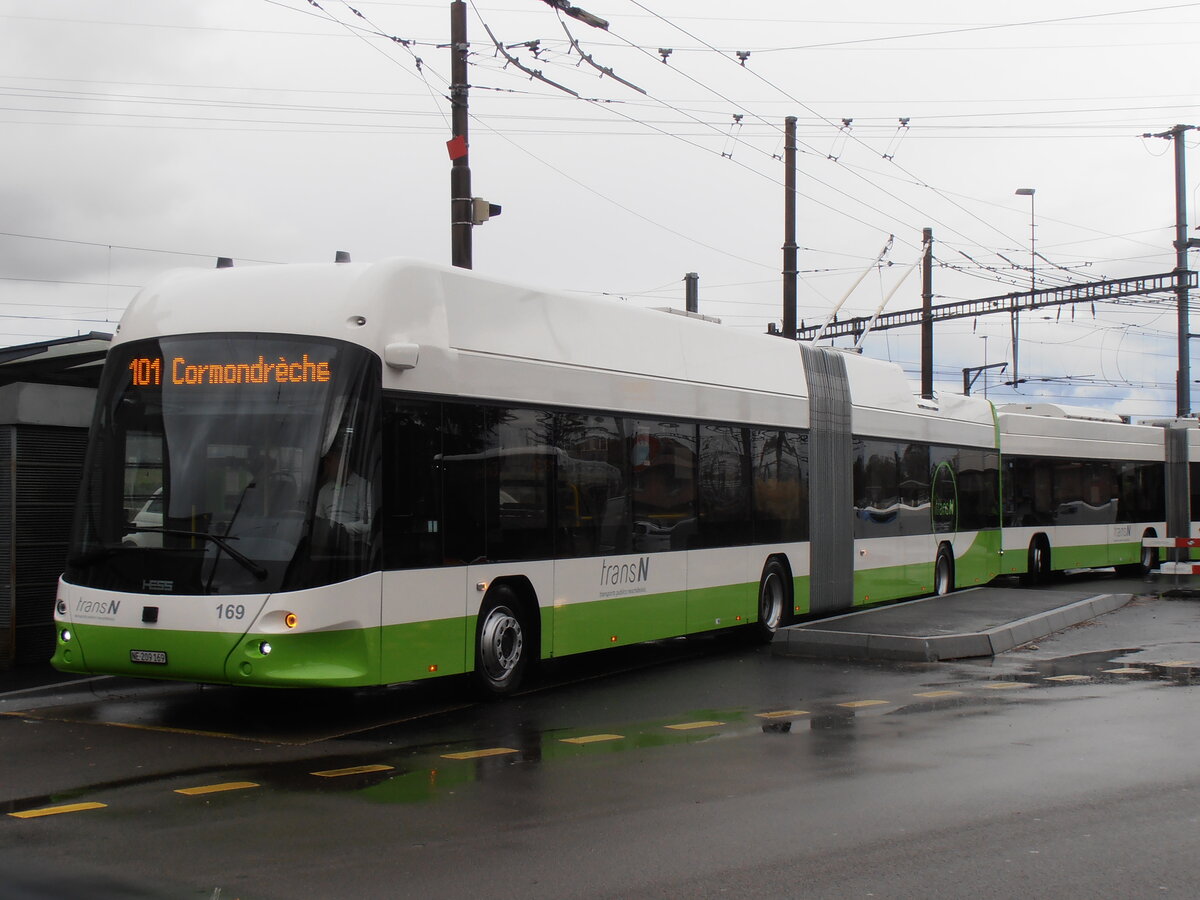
(1016, 321)
(985, 365)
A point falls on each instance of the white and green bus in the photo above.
(1082, 489)
(353, 474)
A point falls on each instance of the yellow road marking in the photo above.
(938, 694)
(1068, 678)
(217, 788)
(593, 738)
(782, 713)
(1006, 685)
(1126, 670)
(56, 810)
(353, 770)
(479, 754)
(859, 704)
(688, 726)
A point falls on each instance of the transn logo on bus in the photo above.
(97, 607)
(624, 573)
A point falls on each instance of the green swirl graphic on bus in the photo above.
(943, 502)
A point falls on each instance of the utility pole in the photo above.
(1183, 376)
(927, 315)
(1183, 394)
(460, 173)
(790, 270)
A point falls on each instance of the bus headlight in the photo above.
(265, 648)
(65, 635)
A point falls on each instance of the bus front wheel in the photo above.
(502, 643)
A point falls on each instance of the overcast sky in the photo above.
(143, 135)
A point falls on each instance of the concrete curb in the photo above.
(801, 640)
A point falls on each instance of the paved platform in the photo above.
(976, 622)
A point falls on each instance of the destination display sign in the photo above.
(152, 371)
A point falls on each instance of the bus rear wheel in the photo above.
(502, 643)
(1147, 561)
(943, 573)
(774, 598)
(1038, 569)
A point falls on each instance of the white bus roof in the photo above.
(474, 336)
(1059, 411)
(1045, 429)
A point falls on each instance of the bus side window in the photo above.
(779, 474)
(662, 463)
(591, 487)
(724, 487)
(520, 471)
(466, 435)
(412, 527)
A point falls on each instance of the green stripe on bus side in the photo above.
(1085, 556)
(617, 621)
(582, 627)
(978, 565)
(801, 599)
(892, 582)
(981, 563)
(721, 607)
(418, 650)
(1093, 556)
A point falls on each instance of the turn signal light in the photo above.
(290, 620)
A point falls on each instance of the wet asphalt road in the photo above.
(726, 771)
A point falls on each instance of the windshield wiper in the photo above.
(222, 542)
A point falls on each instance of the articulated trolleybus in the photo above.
(354, 474)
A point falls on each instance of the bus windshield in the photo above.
(230, 464)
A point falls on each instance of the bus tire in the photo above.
(943, 572)
(1147, 561)
(1038, 567)
(503, 642)
(774, 601)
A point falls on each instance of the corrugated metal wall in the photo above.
(40, 470)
